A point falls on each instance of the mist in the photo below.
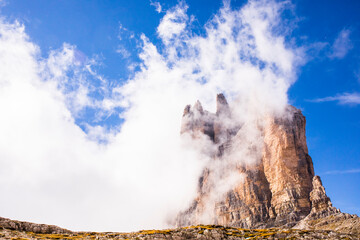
(141, 173)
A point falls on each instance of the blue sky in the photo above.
(103, 40)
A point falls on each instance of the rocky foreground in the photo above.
(338, 226)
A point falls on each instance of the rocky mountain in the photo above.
(272, 194)
(279, 189)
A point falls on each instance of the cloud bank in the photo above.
(54, 172)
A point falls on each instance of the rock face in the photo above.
(278, 189)
(324, 216)
(321, 204)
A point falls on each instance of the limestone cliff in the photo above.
(278, 189)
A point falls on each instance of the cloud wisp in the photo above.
(157, 6)
(342, 45)
(145, 173)
(336, 172)
(344, 99)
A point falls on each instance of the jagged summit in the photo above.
(222, 106)
(279, 189)
(198, 107)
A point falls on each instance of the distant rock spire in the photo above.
(198, 107)
(321, 204)
(197, 121)
(187, 110)
(222, 106)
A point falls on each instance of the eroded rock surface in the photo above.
(320, 202)
(277, 189)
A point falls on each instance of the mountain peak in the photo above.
(222, 106)
(277, 189)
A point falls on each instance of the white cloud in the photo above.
(157, 6)
(124, 33)
(173, 23)
(146, 172)
(345, 98)
(317, 49)
(123, 51)
(341, 45)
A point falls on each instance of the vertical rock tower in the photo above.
(279, 189)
